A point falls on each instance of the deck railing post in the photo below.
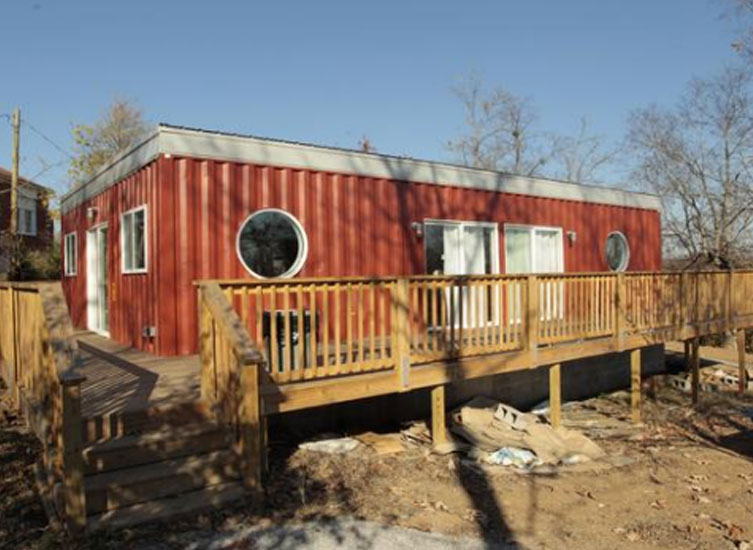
(729, 316)
(619, 312)
(401, 332)
(251, 436)
(71, 449)
(531, 329)
(15, 364)
(207, 361)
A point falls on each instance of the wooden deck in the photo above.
(156, 427)
(121, 379)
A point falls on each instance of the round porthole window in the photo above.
(617, 251)
(272, 243)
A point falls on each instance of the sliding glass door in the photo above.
(463, 248)
(531, 249)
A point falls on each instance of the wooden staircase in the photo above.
(157, 474)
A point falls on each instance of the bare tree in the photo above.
(742, 13)
(500, 130)
(581, 157)
(697, 156)
(121, 127)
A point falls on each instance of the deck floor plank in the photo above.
(123, 379)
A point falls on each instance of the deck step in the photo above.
(114, 425)
(164, 444)
(186, 503)
(125, 487)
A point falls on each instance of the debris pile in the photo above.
(500, 434)
(720, 377)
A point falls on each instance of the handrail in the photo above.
(230, 379)
(341, 326)
(381, 278)
(47, 382)
(229, 323)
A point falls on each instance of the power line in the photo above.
(47, 139)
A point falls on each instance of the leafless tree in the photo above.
(741, 11)
(581, 157)
(499, 130)
(697, 156)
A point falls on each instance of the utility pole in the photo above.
(14, 173)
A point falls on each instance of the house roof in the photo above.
(197, 143)
(5, 177)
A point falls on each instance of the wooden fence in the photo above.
(312, 329)
(39, 362)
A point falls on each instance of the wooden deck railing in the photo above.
(318, 328)
(322, 328)
(39, 362)
(230, 379)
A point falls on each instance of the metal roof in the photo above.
(224, 146)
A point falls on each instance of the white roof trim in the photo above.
(233, 148)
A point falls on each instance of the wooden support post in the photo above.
(401, 333)
(73, 461)
(620, 319)
(532, 319)
(695, 366)
(742, 373)
(438, 428)
(252, 439)
(687, 357)
(635, 385)
(555, 395)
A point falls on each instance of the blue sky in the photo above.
(330, 72)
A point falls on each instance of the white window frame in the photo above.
(466, 294)
(551, 300)
(132, 212)
(533, 229)
(494, 226)
(624, 265)
(21, 209)
(68, 269)
(303, 242)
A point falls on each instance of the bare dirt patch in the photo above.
(682, 480)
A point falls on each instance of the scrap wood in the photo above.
(382, 444)
(417, 433)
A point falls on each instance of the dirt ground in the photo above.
(682, 480)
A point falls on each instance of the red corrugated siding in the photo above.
(355, 226)
(133, 298)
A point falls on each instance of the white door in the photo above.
(463, 248)
(96, 280)
(548, 259)
(536, 250)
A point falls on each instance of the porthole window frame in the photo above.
(626, 261)
(303, 244)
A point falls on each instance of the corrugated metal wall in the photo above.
(133, 297)
(355, 226)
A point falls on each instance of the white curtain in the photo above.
(518, 248)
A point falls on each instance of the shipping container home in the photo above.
(187, 205)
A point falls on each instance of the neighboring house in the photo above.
(34, 220)
(190, 204)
